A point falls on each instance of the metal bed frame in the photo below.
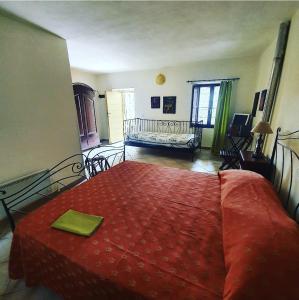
(164, 126)
(78, 166)
(99, 159)
(280, 176)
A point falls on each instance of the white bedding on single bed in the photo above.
(166, 139)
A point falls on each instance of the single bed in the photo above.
(167, 234)
(164, 134)
(175, 140)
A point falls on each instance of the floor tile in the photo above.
(204, 161)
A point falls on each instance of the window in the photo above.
(204, 103)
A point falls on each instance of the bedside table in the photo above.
(260, 165)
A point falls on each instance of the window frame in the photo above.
(210, 108)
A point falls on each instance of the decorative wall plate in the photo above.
(160, 79)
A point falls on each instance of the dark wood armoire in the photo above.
(84, 99)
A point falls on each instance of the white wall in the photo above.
(144, 84)
(84, 77)
(38, 125)
(103, 119)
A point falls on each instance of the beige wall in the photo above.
(286, 109)
(264, 72)
(287, 102)
(38, 125)
(144, 84)
(265, 66)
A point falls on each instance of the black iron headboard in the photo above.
(284, 172)
(70, 171)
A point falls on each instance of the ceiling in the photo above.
(106, 37)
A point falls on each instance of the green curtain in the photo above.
(222, 115)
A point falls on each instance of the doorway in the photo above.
(84, 100)
(120, 107)
(128, 102)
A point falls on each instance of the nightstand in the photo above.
(260, 165)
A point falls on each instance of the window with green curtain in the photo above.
(204, 103)
(222, 116)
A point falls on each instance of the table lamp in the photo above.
(261, 127)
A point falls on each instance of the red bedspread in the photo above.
(161, 238)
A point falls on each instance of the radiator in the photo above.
(13, 186)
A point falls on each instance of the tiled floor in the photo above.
(16, 289)
(204, 161)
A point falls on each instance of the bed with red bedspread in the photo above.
(167, 234)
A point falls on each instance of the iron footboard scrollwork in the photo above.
(100, 159)
(132, 127)
(66, 170)
(284, 162)
(67, 173)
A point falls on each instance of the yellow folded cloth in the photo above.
(78, 223)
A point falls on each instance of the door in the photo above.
(115, 116)
(91, 125)
(84, 96)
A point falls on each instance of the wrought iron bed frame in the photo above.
(281, 141)
(80, 166)
(90, 164)
(164, 126)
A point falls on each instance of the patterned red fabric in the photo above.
(161, 238)
(261, 243)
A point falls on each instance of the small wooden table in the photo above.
(260, 165)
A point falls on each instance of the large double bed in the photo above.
(154, 241)
(167, 234)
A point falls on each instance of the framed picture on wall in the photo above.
(155, 102)
(255, 103)
(169, 105)
(262, 99)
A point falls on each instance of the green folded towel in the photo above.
(78, 223)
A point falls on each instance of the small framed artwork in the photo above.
(255, 103)
(155, 102)
(262, 99)
(169, 105)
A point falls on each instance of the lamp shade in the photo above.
(262, 127)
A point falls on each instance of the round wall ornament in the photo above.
(160, 79)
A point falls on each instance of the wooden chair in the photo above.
(239, 138)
